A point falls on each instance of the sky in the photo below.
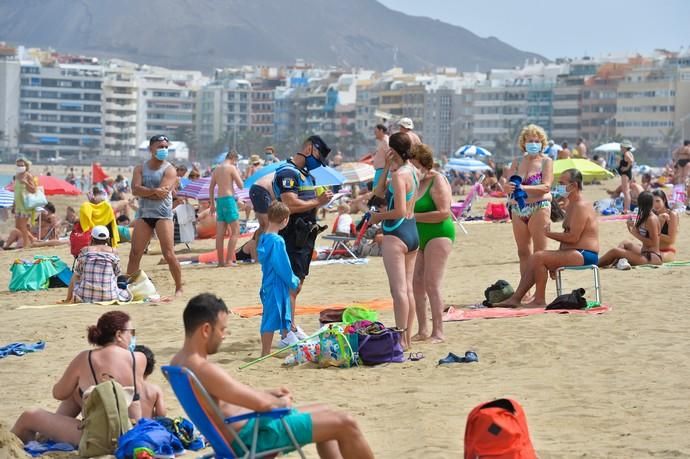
(566, 28)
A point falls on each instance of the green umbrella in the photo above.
(590, 171)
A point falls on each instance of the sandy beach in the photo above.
(610, 385)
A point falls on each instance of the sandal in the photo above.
(415, 356)
(454, 358)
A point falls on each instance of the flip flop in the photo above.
(454, 358)
(415, 356)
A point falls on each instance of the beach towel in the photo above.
(19, 349)
(101, 303)
(91, 215)
(148, 434)
(341, 261)
(453, 314)
(254, 311)
(670, 264)
(36, 449)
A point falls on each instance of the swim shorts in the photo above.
(226, 209)
(272, 433)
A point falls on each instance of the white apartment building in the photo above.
(120, 111)
(61, 110)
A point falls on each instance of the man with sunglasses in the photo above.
(295, 187)
(153, 183)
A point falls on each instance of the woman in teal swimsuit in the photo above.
(436, 235)
(400, 239)
(536, 170)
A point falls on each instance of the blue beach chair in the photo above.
(205, 414)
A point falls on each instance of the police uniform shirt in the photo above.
(290, 179)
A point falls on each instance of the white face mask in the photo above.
(21, 169)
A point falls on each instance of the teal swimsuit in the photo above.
(404, 229)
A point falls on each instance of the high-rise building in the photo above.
(61, 110)
(120, 110)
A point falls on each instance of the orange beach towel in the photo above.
(379, 305)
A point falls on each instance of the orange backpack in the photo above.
(498, 430)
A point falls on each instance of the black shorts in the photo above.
(260, 198)
(300, 257)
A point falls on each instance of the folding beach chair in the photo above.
(341, 244)
(461, 210)
(204, 413)
(595, 274)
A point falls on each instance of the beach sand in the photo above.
(613, 385)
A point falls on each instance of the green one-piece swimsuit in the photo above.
(429, 231)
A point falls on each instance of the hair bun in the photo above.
(93, 334)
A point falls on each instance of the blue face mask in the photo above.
(312, 163)
(162, 154)
(559, 191)
(533, 148)
(133, 343)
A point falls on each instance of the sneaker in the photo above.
(289, 340)
(623, 264)
(299, 333)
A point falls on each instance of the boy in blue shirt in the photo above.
(277, 278)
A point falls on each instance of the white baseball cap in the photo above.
(406, 123)
(100, 233)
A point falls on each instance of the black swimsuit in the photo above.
(134, 376)
(623, 163)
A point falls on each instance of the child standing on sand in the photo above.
(277, 280)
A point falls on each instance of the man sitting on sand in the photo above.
(579, 242)
(335, 433)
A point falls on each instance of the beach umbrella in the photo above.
(54, 186)
(471, 150)
(6, 198)
(590, 170)
(324, 175)
(198, 189)
(612, 147)
(466, 165)
(357, 172)
(368, 158)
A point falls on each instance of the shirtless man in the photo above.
(681, 163)
(335, 433)
(381, 134)
(261, 196)
(579, 243)
(226, 176)
(564, 152)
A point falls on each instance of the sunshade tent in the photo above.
(324, 175)
(612, 147)
(54, 186)
(471, 150)
(590, 171)
(357, 172)
(466, 165)
(198, 189)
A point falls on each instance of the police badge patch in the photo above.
(288, 182)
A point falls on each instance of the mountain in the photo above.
(206, 34)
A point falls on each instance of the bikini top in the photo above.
(534, 179)
(95, 378)
(643, 231)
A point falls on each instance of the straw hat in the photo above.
(255, 159)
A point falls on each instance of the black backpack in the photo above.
(500, 291)
(573, 300)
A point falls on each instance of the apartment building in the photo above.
(61, 110)
(120, 110)
(439, 112)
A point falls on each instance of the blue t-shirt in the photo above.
(291, 179)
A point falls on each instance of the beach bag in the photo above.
(105, 419)
(573, 300)
(151, 435)
(184, 430)
(78, 239)
(140, 286)
(379, 344)
(335, 348)
(498, 430)
(496, 211)
(35, 199)
(497, 292)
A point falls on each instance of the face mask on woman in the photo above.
(21, 169)
(533, 148)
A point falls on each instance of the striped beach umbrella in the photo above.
(6, 198)
(198, 189)
(471, 150)
(357, 172)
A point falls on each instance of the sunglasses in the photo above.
(159, 138)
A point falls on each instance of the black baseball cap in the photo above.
(320, 145)
(158, 138)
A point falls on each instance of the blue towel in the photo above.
(148, 434)
(19, 349)
(36, 449)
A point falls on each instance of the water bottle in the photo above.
(618, 204)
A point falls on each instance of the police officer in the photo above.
(296, 188)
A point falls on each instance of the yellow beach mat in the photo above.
(101, 303)
(253, 311)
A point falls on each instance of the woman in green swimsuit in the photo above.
(24, 183)
(436, 235)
